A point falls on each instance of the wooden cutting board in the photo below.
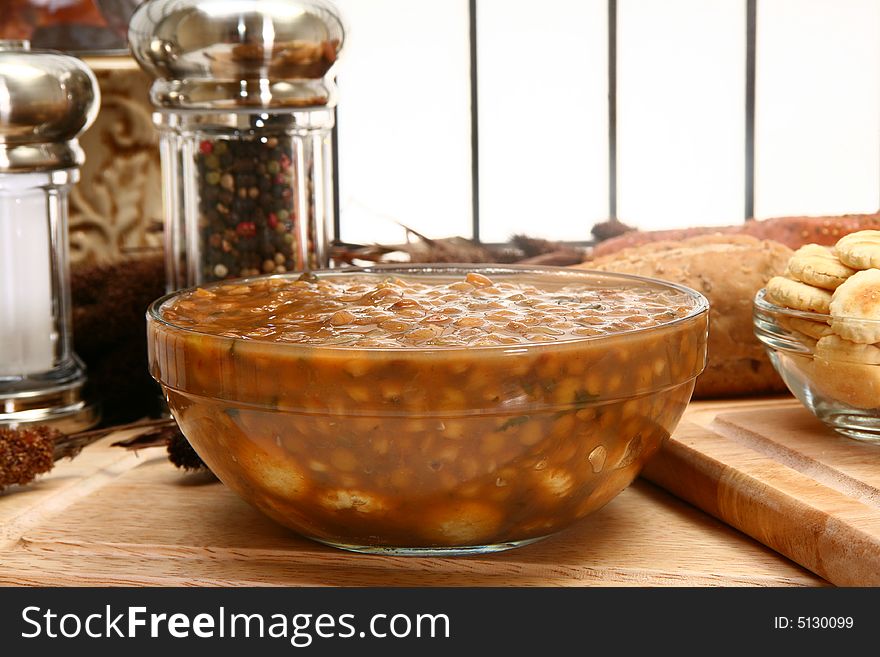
(772, 470)
(113, 518)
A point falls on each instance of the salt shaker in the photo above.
(46, 100)
(244, 96)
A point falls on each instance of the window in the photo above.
(508, 116)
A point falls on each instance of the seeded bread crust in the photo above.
(791, 231)
(729, 270)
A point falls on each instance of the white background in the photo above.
(404, 114)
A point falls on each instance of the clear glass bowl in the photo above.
(433, 450)
(839, 382)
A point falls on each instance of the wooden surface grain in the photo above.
(772, 470)
(114, 518)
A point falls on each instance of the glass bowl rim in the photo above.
(700, 304)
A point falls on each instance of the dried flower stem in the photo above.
(69, 445)
(32, 450)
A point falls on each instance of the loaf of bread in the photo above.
(729, 270)
(794, 232)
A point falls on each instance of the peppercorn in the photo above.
(246, 229)
(246, 207)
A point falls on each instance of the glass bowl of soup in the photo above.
(430, 409)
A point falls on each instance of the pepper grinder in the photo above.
(244, 95)
(46, 100)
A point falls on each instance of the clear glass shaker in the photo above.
(46, 100)
(244, 99)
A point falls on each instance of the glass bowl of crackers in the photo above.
(820, 323)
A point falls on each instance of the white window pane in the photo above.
(817, 145)
(543, 117)
(681, 112)
(404, 119)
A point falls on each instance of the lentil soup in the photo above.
(429, 409)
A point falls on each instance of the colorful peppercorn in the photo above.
(248, 220)
(246, 229)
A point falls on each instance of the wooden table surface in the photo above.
(110, 517)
